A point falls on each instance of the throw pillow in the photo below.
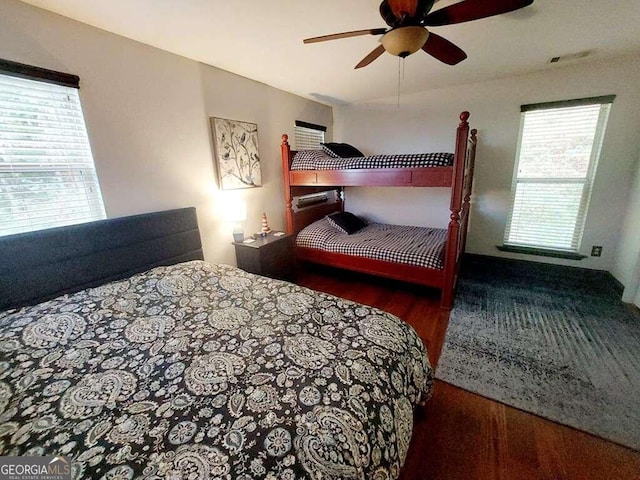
(346, 222)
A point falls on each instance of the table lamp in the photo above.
(237, 213)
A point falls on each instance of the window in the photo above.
(47, 175)
(308, 135)
(557, 157)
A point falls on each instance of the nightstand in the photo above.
(271, 256)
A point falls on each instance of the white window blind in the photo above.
(47, 174)
(308, 136)
(558, 153)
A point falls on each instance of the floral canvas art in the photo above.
(236, 149)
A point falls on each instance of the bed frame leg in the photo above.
(452, 253)
(446, 301)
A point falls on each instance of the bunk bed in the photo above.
(458, 175)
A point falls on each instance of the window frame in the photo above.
(299, 124)
(95, 206)
(587, 181)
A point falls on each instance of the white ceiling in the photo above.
(262, 40)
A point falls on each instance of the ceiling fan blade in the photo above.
(469, 10)
(355, 33)
(443, 50)
(379, 50)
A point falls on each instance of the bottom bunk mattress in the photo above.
(418, 246)
(205, 371)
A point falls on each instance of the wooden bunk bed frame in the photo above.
(459, 177)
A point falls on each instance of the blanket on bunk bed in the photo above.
(319, 160)
(420, 246)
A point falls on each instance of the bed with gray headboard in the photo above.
(125, 352)
(40, 265)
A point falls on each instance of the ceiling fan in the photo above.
(408, 20)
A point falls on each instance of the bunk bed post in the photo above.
(471, 159)
(453, 233)
(286, 180)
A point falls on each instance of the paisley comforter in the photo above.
(204, 371)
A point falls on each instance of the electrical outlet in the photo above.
(596, 251)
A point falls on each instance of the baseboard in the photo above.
(490, 259)
(617, 283)
(491, 264)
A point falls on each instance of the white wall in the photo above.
(228, 96)
(627, 263)
(147, 112)
(427, 122)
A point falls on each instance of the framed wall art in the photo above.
(236, 153)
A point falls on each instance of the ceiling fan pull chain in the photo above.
(399, 62)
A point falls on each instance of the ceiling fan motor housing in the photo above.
(405, 12)
(404, 41)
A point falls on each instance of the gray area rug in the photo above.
(554, 341)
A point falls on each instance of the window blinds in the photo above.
(47, 175)
(308, 136)
(557, 157)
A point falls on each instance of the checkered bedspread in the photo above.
(318, 160)
(420, 246)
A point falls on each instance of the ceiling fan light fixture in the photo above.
(404, 41)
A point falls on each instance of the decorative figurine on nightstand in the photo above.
(265, 226)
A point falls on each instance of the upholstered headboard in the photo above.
(40, 265)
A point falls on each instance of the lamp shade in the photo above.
(236, 211)
(404, 41)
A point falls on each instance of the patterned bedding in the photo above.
(318, 160)
(420, 246)
(204, 371)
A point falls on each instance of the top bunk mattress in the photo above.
(418, 246)
(319, 160)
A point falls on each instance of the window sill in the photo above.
(542, 252)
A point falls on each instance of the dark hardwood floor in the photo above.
(460, 435)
